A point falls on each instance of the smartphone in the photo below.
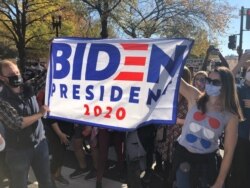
(214, 51)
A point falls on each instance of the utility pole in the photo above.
(239, 49)
(56, 23)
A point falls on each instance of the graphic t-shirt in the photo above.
(201, 132)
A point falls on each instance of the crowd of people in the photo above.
(213, 114)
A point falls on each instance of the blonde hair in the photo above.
(203, 73)
(6, 63)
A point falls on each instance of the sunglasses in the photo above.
(202, 80)
(214, 82)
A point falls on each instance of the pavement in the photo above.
(80, 182)
(70, 164)
(110, 180)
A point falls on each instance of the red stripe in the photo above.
(130, 76)
(130, 46)
(135, 61)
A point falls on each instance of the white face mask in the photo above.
(212, 90)
(247, 76)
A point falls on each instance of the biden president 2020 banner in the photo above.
(114, 83)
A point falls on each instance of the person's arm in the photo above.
(87, 131)
(9, 116)
(63, 137)
(29, 120)
(189, 92)
(2, 143)
(231, 135)
(206, 61)
(243, 62)
(180, 121)
(223, 60)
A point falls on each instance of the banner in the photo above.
(113, 83)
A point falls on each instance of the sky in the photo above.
(234, 28)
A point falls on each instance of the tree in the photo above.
(104, 9)
(201, 44)
(169, 18)
(17, 16)
(139, 19)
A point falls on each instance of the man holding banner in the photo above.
(26, 144)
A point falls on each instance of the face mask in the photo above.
(212, 90)
(15, 81)
(247, 77)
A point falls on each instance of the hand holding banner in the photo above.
(118, 84)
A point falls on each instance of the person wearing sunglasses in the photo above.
(199, 80)
(26, 147)
(209, 114)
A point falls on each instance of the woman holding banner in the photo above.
(209, 114)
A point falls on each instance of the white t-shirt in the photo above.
(201, 132)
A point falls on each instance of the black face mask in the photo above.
(15, 81)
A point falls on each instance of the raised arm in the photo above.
(231, 134)
(206, 60)
(223, 60)
(243, 62)
(189, 92)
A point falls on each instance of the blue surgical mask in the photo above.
(212, 90)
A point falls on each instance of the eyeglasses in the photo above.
(214, 82)
(202, 80)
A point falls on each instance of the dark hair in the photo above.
(228, 93)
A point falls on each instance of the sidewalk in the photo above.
(79, 182)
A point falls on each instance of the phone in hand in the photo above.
(214, 51)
